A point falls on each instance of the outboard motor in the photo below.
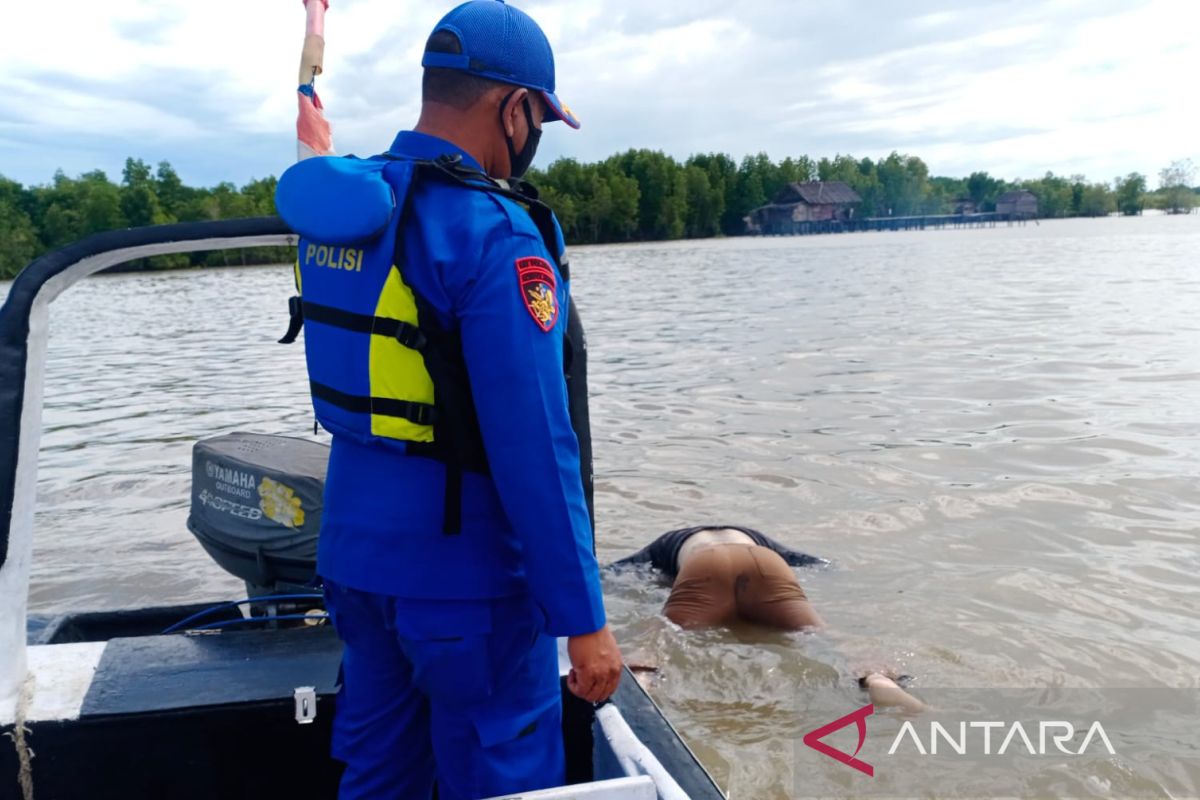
(256, 508)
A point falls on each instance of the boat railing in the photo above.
(24, 324)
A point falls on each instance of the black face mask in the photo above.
(520, 161)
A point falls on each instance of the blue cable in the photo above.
(235, 603)
(221, 624)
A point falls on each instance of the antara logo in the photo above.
(1058, 733)
(813, 739)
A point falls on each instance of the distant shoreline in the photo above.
(137, 267)
(635, 196)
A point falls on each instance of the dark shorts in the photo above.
(727, 583)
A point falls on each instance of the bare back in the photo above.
(703, 539)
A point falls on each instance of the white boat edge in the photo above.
(14, 572)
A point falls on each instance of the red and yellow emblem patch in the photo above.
(537, 281)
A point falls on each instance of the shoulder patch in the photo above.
(538, 290)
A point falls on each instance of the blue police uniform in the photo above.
(450, 656)
(456, 542)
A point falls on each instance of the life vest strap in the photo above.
(452, 501)
(416, 413)
(405, 333)
(450, 167)
(295, 320)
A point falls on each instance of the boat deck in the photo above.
(139, 714)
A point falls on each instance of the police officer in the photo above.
(456, 542)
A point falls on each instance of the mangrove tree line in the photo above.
(639, 195)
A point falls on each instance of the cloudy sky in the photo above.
(1101, 87)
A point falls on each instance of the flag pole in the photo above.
(314, 136)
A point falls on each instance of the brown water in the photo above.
(993, 434)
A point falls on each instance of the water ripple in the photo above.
(993, 435)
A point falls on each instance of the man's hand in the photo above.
(595, 665)
(885, 692)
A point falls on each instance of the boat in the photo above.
(225, 699)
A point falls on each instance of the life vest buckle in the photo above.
(421, 414)
(411, 336)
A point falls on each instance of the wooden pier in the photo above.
(801, 209)
(917, 223)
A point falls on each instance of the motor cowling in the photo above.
(256, 507)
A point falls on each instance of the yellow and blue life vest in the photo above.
(382, 368)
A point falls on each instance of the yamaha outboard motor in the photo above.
(256, 508)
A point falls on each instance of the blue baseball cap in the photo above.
(505, 44)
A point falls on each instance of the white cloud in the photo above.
(1016, 88)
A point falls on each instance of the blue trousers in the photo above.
(464, 692)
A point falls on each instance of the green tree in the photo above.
(862, 176)
(1055, 195)
(139, 198)
(774, 177)
(140, 206)
(172, 194)
(936, 199)
(1078, 185)
(230, 203)
(722, 174)
(983, 190)
(135, 172)
(704, 204)
(749, 188)
(1175, 186)
(260, 197)
(99, 204)
(904, 180)
(1131, 193)
(564, 208)
(597, 196)
(56, 212)
(662, 193)
(625, 199)
(1097, 200)
(18, 237)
